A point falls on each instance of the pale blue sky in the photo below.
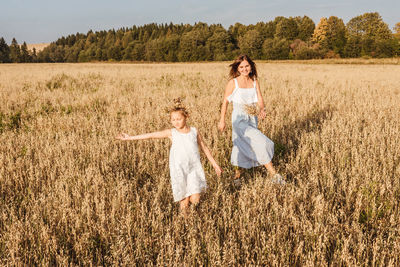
(36, 21)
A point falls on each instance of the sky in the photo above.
(44, 21)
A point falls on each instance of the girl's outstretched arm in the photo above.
(228, 91)
(206, 151)
(161, 134)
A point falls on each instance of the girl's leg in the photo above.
(237, 173)
(236, 178)
(184, 204)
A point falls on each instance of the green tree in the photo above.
(387, 48)
(138, 51)
(251, 44)
(352, 48)
(287, 28)
(397, 30)
(370, 29)
(127, 39)
(237, 30)
(171, 46)
(369, 25)
(15, 51)
(57, 53)
(34, 55)
(155, 50)
(330, 35)
(276, 48)
(192, 46)
(4, 51)
(306, 28)
(266, 30)
(220, 45)
(25, 56)
(336, 35)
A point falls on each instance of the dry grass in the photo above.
(71, 194)
(358, 61)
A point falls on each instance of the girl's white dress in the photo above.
(251, 147)
(187, 174)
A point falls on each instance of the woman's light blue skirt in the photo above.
(251, 148)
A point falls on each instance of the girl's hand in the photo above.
(221, 125)
(217, 169)
(262, 114)
(123, 137)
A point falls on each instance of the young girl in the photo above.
(187, 174)
(251, 147)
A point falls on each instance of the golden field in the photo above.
(72, 194)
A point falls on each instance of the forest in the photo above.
(283, 38)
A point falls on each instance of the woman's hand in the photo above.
(262, 114)
(123, 137)
(221, 125)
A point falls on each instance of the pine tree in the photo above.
(25, 57)
(4, 51)
(15, 51)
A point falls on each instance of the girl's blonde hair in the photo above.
(178, 105)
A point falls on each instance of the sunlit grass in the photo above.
(72, 194)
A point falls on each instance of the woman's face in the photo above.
(244, 68)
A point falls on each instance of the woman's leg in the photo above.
(276, 177)
(270, 168)
(194, 199)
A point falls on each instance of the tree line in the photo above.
(365, 35)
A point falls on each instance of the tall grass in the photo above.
(71, 194)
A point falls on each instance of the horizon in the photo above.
(36, 23)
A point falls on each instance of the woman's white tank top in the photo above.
(244, 96)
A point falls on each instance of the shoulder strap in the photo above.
(254, 82)
(194, 130)
(236, 83)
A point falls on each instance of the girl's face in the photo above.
(244, 68)
(178, 120)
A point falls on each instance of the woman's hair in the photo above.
(177, 105)
(233, 73)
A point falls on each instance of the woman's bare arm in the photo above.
(228, 91)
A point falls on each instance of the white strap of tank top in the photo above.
(236, 83)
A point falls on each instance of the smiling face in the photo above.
(178, 120)
(244, 68)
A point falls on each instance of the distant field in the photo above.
(72, 194)
(38, 47)
(352, 61)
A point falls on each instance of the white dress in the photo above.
(251, 147)
(187, 174)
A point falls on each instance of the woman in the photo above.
(251, 148)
